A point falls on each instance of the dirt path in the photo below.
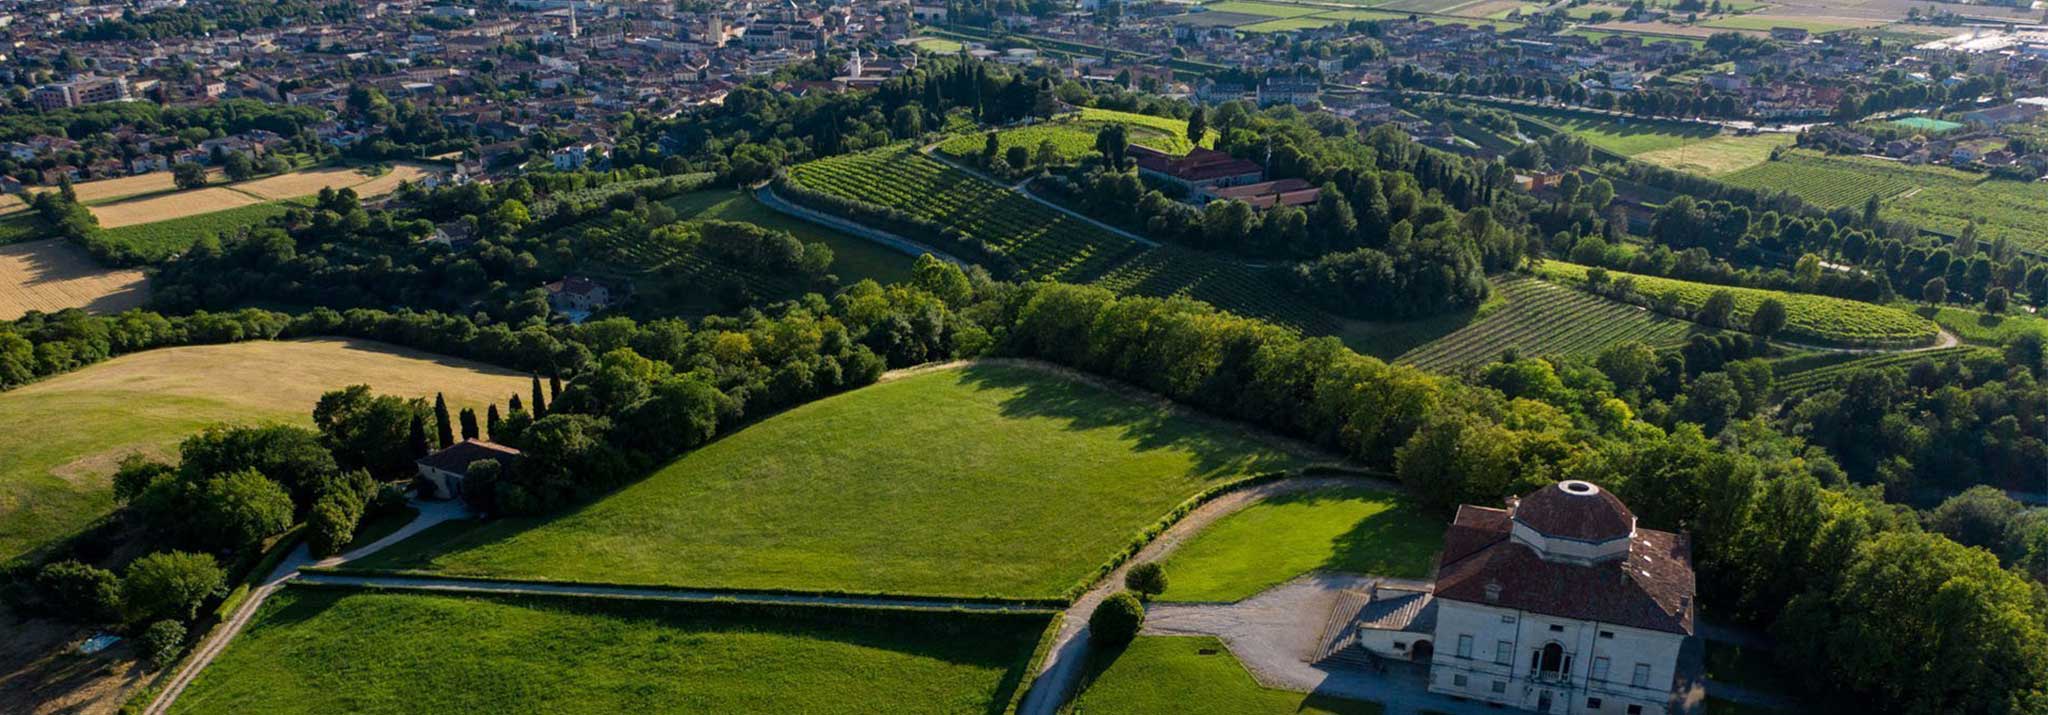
(1064, 662)
(1019, 189)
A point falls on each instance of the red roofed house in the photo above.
(1201, 168)
(578, 296)
(1561, 604)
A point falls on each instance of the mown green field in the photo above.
(1072, 140)
(1813, 318)
(162, 239)
(986, 480)
(853, 258)
(1816, 25)
(1359, 530)
(1627, 137)
(318, 651)
(1719, 155)
(61, 438)
(1831, 181)
(1191, 676)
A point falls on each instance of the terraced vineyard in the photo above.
(1810, 318)
(1801, 382)
(1543, 319)
(1169, 271)
(1043, 242)
(1047, 243)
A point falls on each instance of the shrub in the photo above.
(1148, 579)
(169, 584)
(1118, 619)
(80, 592)
(161, 641)
(332, 525)
(237, 509)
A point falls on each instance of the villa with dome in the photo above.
(1557, 603)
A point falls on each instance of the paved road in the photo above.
(766, 194)
(1068, 657)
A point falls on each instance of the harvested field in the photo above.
(110, 189)
(169, 206)
(311, 181)
(1719, 155)
(51, 274)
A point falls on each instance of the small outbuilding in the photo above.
(446, 469)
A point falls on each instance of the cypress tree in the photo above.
(554, 387)
(444, 429)
(417, 441)
(540, 403)
(491, 421)
(515, 405)
(469, 423)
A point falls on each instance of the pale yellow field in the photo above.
(105, 189)
(64, 436)
(52, 275)
(311, 181)
(1719, 155)
(169, 206)
(10, 203)
(164, 207)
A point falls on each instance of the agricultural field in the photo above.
(1980, 328)
(1192, 676)
(2012, 210)
(171, 206)
(1042, 241)
(1624, 136)
(1796, 382)
(1289, 24)
(1262, 9)
(63, 436)
(52, 274)
(1072, 139)
(1543, 319)
(1719, 155)
(366, 183)
(934, 45)
(853, 259)
(1815, 24)
(1810, 318)
(1829, 182)
(993, 479)
(1049, 244)
(314, 651)
(162, 239)
(1359, 530)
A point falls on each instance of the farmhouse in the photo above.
(1558, 604)
(1201, 168)
(578, 296)
(446, 469)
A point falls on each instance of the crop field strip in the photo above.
(1810, 318)
(1828, 376)
(1049, 244)
(1543, 319)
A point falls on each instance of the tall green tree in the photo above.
(444, 429)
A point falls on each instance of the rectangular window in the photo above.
(1557, 629)
(1592, 703)
(1607, 634)
(1504, 653)
(1635, 710)
(1398, 645)
(1458, 680)
(1505, 618)
(1500, 686)
(1642, 677)
(1464, 646)
(1600, 670)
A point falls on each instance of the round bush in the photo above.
(1118, 619)
(1147, 578)
(161, 641)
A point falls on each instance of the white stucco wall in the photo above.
(1583, 642)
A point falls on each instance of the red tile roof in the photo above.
(456, 457)
(1651, 589)
(1575, 510)
(1199, 165)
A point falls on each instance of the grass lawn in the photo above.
(1816, 25)
(853, 258)
(375, 528)
(1352, 529)
(1247, 7)
(1288, 24)
(986, 480)
(1719, 155)
(63, 437)
(1191, 676)
(313, 651)
(1980, 328)
(1624, 136)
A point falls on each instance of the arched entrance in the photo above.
(1422, 651)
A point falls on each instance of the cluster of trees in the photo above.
(234, 16)
(1659, 102)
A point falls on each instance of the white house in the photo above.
(1560, 604)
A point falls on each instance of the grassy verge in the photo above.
(379, 527)
(1191, 676)
(314, 650)
(1355, 529)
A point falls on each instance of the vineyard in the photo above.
(1837, 371)
(2011, 210)
(1832, 182)
(1542, 319)
(1169, 271)
(1043, 243)
(1810, 318)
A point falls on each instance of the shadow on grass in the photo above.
(979, 640)
(1085, 408)
(1401, 542)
